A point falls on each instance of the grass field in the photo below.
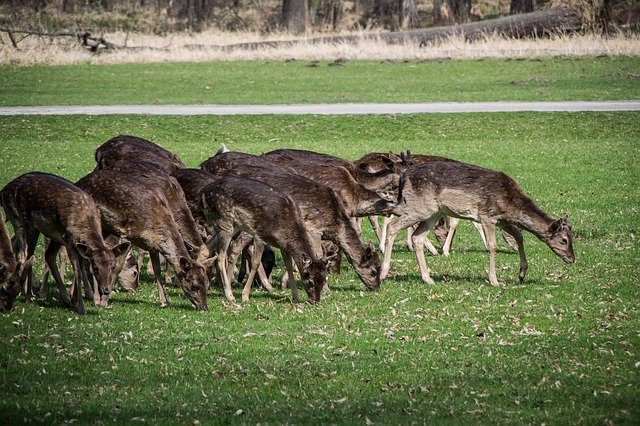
(563, 348)
(274, 82)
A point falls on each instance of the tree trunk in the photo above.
(408, 14)
(295, 15)
(521, 6)
(460, 9)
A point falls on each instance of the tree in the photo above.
(521, 6)
(295, 15)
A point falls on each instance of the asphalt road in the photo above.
(324, 109)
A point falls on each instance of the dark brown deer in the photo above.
(133, 209)
(193, 181)
(128, 148)
(440, 188)
(357, 199)
(43, 203)
(381, 180)
(233, 203)
(155, 176)
(323, 215)
(11, 270)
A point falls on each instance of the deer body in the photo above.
(493, 199)
(133, 209)
(234, 203)
(44, 203)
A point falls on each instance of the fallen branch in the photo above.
(534, 24)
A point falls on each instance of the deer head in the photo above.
(194, 282)
(10, 288)
(368, 268)
(103, 263)
(313, 276)
(560, 239)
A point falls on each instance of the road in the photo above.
(324, 109)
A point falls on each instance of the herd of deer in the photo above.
(304, 203)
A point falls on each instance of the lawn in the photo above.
(275, 82)
(563, 348)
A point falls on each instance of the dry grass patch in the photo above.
(206, 47)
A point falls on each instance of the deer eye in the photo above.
(564, 241)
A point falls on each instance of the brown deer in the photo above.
(193, 182)
(11, 270)
(38, 203)
(155, 176)
(383, 179)
(356, 198)
(493, 199)
(324, 216)
(233, 203)
(134, 209)
(128, 148)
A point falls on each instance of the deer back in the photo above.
(127, 148)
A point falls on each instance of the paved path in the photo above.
(324, 109)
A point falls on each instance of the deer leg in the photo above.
(50, 258)
(288, 263)
(264, 279)
(418, 238)
(223, 243)
(489, 229)
(484, 238)
(154, 256)
(516, 233)
(383, 231)
(453, 225)
(373, 220)
(32, 235)
(76, 289)
(256, 258)
(392, 231)
(409, 240)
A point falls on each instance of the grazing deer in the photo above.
(128, 148)
(493, 199)
(382, 180)
(193, 181)
(43, 203)
(155, 176)
(357, 199)
(11, 270)
(133, 209)
(233, 203)
(324, 216)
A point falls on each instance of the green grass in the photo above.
(274, 82)
(563, 348)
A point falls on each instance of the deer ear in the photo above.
(121, 248)
(368, 252)
(558, 225)
(84, 250)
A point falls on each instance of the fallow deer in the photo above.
(234, 203)
(127, 148)
(11, 270)
(43, 203)
(493, 199)
(323, 215)
(133, 209)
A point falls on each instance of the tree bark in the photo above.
(295, 15)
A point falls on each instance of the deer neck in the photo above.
(534, 220)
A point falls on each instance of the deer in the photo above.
(44, 203)
(134, 209)
(493, 199)
(381, 180)
(11, 270)
(193, 182)
(162, 180)
(358, 200)
(234, 203)
(324, 216)
(127, 148)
